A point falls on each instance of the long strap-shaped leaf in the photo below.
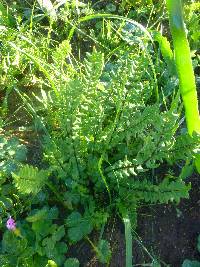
(184, 68)
(128, 237)
(184, 65)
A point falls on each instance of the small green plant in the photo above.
(29, 179)
(40, 240)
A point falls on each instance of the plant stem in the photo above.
(128, 237)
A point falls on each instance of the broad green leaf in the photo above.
(59, 233)
(42, 228)
(49, 246)
(186, 171)
(20, 154)
(13, 245)
(53, 213)
(73, 218)
(38, 215)
(61, 247)
(78, 232)
(5, 17)
(79, 226)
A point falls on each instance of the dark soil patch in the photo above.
(171, 231)
(168, 232)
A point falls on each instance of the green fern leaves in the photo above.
(62, 51)
(29, 179)
(166, 191)
(94, 64)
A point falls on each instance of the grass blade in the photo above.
(109, 16)
(40, 66)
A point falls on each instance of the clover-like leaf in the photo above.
(59, 233)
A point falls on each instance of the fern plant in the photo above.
(105, 137)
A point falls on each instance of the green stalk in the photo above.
(128, 238)
(184, 65)
(184, 68)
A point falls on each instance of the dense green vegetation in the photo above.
(99, 115)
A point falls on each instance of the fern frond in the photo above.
(61, 52)
(164, 192)
(29, 179)
(94, 64)
(185, 147)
